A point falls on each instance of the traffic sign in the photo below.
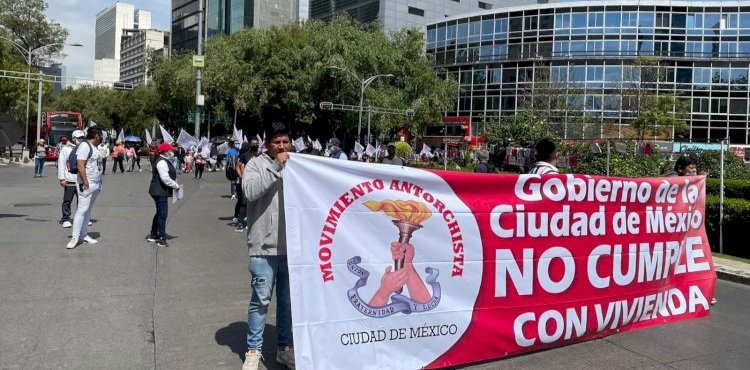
(198, 61)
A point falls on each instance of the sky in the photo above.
(79, 17)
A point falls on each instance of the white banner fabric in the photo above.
(339, 234)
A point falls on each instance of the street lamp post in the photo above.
(28, 55)
(363, 83)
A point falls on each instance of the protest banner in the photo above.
(397, 267)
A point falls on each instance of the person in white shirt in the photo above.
(546, 158)
(163, 184)
(104, 149)
(89, 186)
(68, 181)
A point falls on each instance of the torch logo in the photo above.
(389, 298)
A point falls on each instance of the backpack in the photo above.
(231, 170)
(73, 158)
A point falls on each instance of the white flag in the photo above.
(185, 140)
(299, 144)
(427, 151)
(261, 145)
(317, 145)
(370, 150)
(204, 147)
(223, 148)
(148, 137)
(358, 148)
(121, 136)
(237, 136)
(165, 136)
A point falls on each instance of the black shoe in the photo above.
(162, 243)
(240, 227)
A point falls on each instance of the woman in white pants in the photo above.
(89, 186)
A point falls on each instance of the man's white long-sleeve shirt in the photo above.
(163, 169)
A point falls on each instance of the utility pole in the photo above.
(39, 107)
(199, 98)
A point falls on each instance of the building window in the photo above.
(483, 5)
(416, 11)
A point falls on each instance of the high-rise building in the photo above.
(58, 71)
(110, 23)
(227, 17)
(135, 47)
(396, 14)
(589, 65)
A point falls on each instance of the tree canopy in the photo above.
(283, 73)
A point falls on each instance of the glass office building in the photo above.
(593, 57)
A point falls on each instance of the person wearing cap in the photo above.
(392, 158)
(334, 148)
(89, 186)
(68, 181)
(59, 146)
(484, 165)
(40, 157)
(163, 184)
(262, 185)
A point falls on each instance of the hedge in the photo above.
(732, 188)
(736, 222)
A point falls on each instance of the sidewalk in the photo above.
(736, 271)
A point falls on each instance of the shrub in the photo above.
(736, 219)
(732, 188)
(403, 149)
(621, 164)
(734, 167)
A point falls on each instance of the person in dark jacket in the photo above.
(163, 184)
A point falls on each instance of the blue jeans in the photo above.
(38, 165)
(159, 223)
(233, 187)
(264, 272)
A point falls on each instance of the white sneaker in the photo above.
(234, 221)
(234, 196)
(67, 224)
(90, 223)
(252, 359)
(89, 240)
(72, 243)
(285, 356)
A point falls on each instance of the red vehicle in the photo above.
(454, 131)
(54, 126)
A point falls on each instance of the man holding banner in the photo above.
(266, 242)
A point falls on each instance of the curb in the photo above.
(732, 276)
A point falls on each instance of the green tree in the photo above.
(28, 26)
(282, 74)
(660, 115)
(521, 130)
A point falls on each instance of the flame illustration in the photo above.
(409, 211)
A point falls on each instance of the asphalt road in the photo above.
(124, 304)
